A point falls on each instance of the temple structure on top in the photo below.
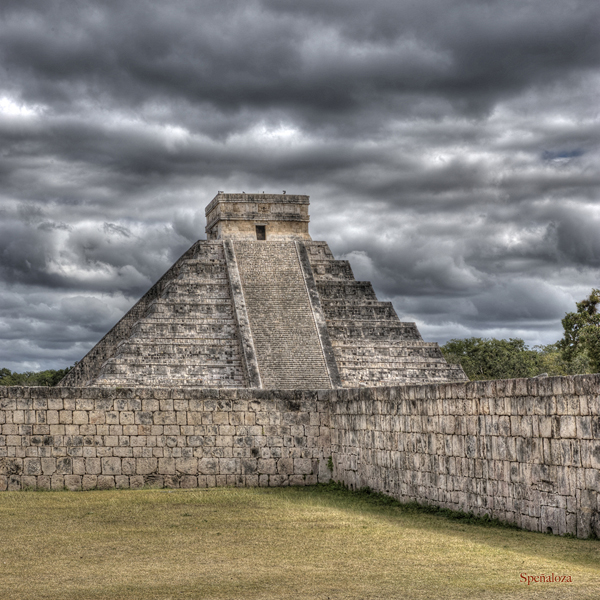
(259, 304)
(253, 217)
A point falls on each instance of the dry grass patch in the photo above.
(269, 543)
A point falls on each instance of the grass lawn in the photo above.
(313, 542)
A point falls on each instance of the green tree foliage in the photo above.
(29, 378)
(491, 358)
(507, 359)
(582, 332)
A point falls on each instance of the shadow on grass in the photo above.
(466, 526)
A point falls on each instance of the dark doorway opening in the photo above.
(261, 233)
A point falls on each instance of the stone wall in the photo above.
(526, 451)
(85, 438)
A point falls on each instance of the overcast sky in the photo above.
(450, 149)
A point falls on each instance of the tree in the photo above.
(50, 377)
(493, 359)
(582, 332)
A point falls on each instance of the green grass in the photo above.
(314, 542)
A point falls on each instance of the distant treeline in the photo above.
(506, 359)
(577, 353)
(43, 378)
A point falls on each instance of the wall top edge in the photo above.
(547, 386)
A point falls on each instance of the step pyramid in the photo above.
(259, 304)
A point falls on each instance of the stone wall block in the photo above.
(111, 466)
(146, 466)
(166, 466)
(267, 466)
(93, 466)
(84, 404)
(73, 482)
(122, 482)
(105, 482)
(64, 465)
(57, 482)
(568, 428)
(189, 466)
(32, 466)
(208, 466)
(595, 455)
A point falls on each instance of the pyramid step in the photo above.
(158, 382)
(318, 251)
(332, 270)
(174, 363)
(180, 342)
(376, 331)
(375, 344)
(174, 330)
(433, 363)
(178, 309)
(201, 280)
(346, 290)
(209, 356)
(353, 312)
(186, 320)
(191, 263)
(183, 291)
(369, 377)
(209, 250)
(113, 367)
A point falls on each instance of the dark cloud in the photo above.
(450, 148)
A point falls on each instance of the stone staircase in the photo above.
(286, 341)
(372, 346)
(188, 335)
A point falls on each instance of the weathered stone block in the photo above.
(43, 482)
(136, 482)
(80, 417)
(146, 466)
(126, 418)
(105, 482)
(28, 482)
(89, 482)
(111, 466)
(208, 466)
(122, 482)
(188, 466)
(166, 466)
(64, 465)
(57, 482)
(188, 482)
(32, 466)
(267, 466)
(302, 466)
(73, 482)
(568, 427)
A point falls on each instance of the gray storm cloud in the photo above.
(450, 149)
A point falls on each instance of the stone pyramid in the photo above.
(259, 304)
